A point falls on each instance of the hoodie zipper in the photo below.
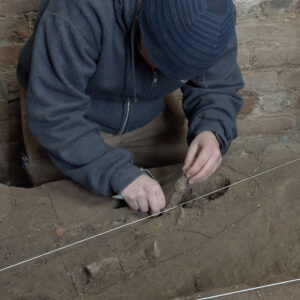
(126, 117)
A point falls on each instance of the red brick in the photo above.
(250, 101)
(267, 125)
(18, 6)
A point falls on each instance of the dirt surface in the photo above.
(246, 235)
(287, 291)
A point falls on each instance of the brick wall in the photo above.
(16, 24)
(269, 55)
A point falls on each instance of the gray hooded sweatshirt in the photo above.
(84, 74)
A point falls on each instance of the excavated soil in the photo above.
(242, 236)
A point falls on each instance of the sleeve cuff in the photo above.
(223, 142)
(123, 178)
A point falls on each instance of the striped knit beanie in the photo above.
(185, 37)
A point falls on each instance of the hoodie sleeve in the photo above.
(211, 102)
(63, 60)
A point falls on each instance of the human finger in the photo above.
(210, 167)
(157, 202)
(191, 155)
(199, 162)
(132, 204)
(143, 205)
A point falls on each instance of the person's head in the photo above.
(183, 38)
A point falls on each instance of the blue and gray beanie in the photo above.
(185, 37)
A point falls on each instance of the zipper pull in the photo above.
(155, 78)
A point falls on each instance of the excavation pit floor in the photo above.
(244, 236)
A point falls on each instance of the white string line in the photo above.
(142, 219)
(251, 289)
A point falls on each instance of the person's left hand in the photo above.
(203, 157)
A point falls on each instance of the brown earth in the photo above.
(247, 235)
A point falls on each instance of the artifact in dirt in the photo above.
(180, 188)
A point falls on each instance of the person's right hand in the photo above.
(145, 194)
